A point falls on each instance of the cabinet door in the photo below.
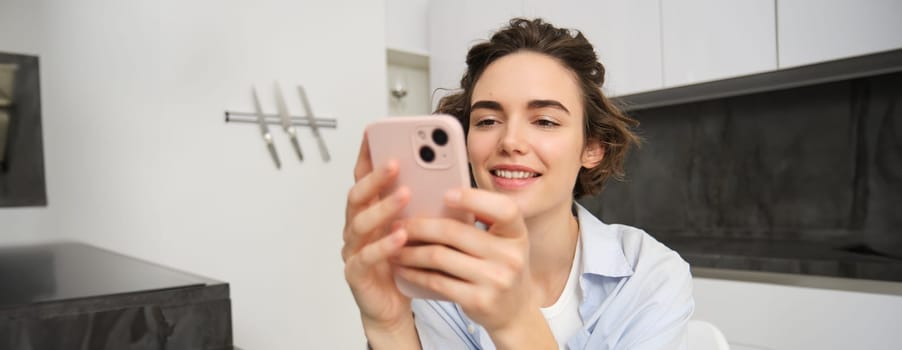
(626, 36)
(405, 25)
(814, 31)
(706, 40)
(454, 26)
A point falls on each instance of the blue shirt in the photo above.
(636, 294)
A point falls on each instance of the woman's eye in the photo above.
(546, 123)
(486, 122)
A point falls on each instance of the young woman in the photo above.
(541, 272)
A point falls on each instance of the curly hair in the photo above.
(603, 121)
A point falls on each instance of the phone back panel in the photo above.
(403, 138)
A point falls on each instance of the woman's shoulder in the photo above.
(641, 251)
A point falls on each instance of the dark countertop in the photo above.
(68, 271)
(812, 258)
(75, 296)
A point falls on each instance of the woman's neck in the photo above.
(552, 243)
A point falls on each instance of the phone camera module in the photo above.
(440, 137)
(427, 154)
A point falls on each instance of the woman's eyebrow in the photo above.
(536, 104)
(492, 105)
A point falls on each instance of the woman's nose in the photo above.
(513, 140)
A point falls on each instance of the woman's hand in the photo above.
(485, 272)
(385, 312)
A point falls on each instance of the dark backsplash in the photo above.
(804, 180)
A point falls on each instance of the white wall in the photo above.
(140, 161)
(756, 315)
(17, 30)
(26, 225)
(405, 25)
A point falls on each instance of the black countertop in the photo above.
(820, 258)
(76, 296)
(67, 271)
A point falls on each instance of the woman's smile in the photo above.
(513, 177)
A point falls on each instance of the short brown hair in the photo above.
(603, 121)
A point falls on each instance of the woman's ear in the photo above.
(593, 154)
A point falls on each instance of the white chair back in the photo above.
(705, 336)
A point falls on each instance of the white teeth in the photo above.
(513, 174)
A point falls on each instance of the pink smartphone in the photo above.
(432, 155)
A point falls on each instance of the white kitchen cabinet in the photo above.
(454, 26)
(812, 31)
(626, 36)
(405, 26)
(705, 40)
(648, 45)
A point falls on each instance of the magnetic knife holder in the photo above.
(273, 119)
(286, 121)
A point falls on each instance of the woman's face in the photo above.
(526, 131)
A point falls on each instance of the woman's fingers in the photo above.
(380, 213)
(463, 251)
(364, 212)
(368, 187)
(450, 261)
(376, 252)
(368, 184)
(359, 231)
(497, 210)
(461, 236)
(364, 162)
(446, 286)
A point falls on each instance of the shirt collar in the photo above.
(602, 251)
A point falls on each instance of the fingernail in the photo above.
(397, 236)
(453, 196)
(401, 194)
(391, 166)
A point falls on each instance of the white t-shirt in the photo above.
(563, 316)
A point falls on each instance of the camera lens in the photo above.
(439, 137)
(427, 154)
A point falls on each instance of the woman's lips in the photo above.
(513, 177)
(512, 184)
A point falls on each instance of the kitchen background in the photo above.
(138, 158)
(800, 180)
